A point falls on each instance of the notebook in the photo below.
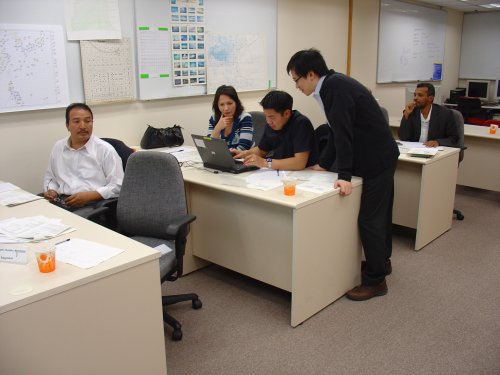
(215, 155)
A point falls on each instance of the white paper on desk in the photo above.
(83, 253)
(264, 185)
(408, 145)
(16, 197)
(264, 179)
(35, 228)
(163, 249)
(183, 153)
(311, 175)
(316, 187)
(7, 186)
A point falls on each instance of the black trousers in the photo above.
(375, 225)
(81, 211)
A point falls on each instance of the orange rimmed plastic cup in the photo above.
(493, 129)
(46, 259)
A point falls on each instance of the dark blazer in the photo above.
(364, 143)
(442, 127)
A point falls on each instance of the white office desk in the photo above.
(103, 320)
(480, 167)
(424, 194)
(483, 106)
(307, 244)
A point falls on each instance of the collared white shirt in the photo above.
(317, 96)
(94, 167)
(424, 126)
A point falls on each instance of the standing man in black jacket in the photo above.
(365, 148)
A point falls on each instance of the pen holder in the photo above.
(46, 258)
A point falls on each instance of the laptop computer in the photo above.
(215, 155)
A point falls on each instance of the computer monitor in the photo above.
(457, 93)
(478, 89)
(497, 90)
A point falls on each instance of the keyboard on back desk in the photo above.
(490, 104)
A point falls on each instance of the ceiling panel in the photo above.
(465, 6)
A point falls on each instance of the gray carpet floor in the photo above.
(441, 315)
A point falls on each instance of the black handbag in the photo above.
(166, 137)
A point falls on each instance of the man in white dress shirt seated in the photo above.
(83, 169)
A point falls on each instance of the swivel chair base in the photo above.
(458, 214)
(170, 320)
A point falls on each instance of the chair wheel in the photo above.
(196, 304)
(177, 335)
(460, 217)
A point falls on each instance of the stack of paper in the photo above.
(423, 152)
(31, 229)
(11, 195)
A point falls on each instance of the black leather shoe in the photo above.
(365, 292)
(388, 266)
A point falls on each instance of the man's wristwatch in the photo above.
(269, 162)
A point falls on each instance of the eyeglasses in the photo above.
(296, 79)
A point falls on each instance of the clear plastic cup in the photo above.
(493, 129)
(46, 258)
(289, 184)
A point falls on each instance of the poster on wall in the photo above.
(32, 67)
(188, 42)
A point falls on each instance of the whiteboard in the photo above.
(231, 30)
(411, 42)
(51, 12)
(480, 53)
(256, 16)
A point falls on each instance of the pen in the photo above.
(67, 239)
(176, 151)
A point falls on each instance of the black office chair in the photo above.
(471, 110)
(459, 121)
(152, 210)
(259, 124)
(326, 148)
(121, 148)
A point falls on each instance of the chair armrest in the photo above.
(110, 202)
(95, 214)
(179, 227)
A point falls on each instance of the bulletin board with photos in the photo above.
(166, 49)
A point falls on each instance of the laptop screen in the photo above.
(216, 155)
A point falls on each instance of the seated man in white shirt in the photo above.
(83, 169)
